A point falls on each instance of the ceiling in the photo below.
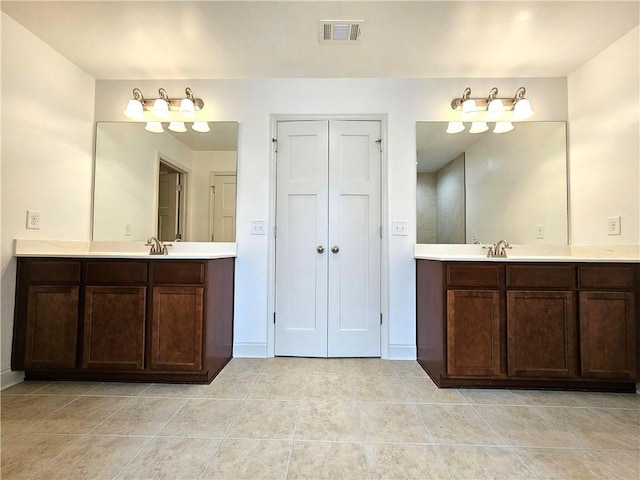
(265, 39)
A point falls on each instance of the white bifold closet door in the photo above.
(328, 239)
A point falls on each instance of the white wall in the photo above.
(604, 133)
(253, 102)
(450, 208)
(47, 148)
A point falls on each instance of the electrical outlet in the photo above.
(539, 231)
(399, 227)
(33, 220)
(613, 225)
(127, 229)
(258, 227)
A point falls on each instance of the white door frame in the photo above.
(384, 216)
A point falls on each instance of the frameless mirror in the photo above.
(480, 188)
(176, 186)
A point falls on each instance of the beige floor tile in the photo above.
(22, 413)
(380, 389)
(24, 388)
(588, 430)
(242, 459)
(140, 416)
(171, 458)
(273, 419)
(330, 387)
(480, 396)
(93, 457)
(79, 416)
(328, 420)
(626, 419)
(277, 387)
(286, 365)
(562, 464)
(373, 367)
(252, 366)
(522, 426)
(457, 424)
(486, 463)
(408, 368)
(392, 423)
(388, 461)
(233, 386)
(117, 389)
(327, 460)
(202, 418)
(328, 366)
(25, 454)
(423, 390)
(170, 390)
(547, 398)
(620, 464)
(607, 400)
(67, 388)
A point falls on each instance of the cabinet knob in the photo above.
(335, 249)
(320, 249)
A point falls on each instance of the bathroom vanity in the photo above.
(123, 316)
(551, 322)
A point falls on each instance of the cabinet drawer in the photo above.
(177, 273)
(610, 276)
(473, 275)
(531, 276)
(54, 271)
(114, 272)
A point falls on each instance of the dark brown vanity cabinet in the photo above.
(133, 320)
(504, 324)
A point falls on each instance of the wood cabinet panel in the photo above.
(608, 335)
(473, 332)
(474, 275)
(540, 334)
(51, 327)
(540, 276)
(611, 276)
(115, 272)
(54, 271)
(177, 328)
(114, 322)
(178, 273)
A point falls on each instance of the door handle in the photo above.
(335, 249)
(320, 249)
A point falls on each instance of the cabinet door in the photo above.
(540, 334)
(473, 332)
(114, 328)
(177, 328)
(52, 326)
(607, 335)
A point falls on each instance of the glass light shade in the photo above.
(177, 127)
(503, 127)
(134, 110)
(161, 108)
(495, 109)
(154, 127)
(478, 127)
(522, 110)
(455, 127)
(469, 109)
(202, 127)
(187, 109)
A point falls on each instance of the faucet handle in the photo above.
(490, 251)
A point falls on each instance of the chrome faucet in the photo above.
(500, 249)
(157, 247)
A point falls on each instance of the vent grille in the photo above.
(340, 31)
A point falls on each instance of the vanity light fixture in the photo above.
(161, 108)
(455, 127)
(470, 107)
(478, 127)
(503, 127)
(522, 108)
(177, 127)
(154, 127)
(202, 127)
(495, 107)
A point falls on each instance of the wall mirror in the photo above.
(480, 188)
(177, 186)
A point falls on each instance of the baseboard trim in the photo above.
(250, 350)
(10, 378)
(402, 352)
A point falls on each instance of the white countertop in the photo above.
(86, 249)
(531, 253)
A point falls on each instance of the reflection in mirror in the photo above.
(480, 188)
(176, 186)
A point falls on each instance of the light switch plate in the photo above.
(258, 227)
(399, 227)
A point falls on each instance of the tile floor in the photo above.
(317, 419)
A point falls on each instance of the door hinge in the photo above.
(274, 318)
(380, 231)
(275, 142)
(380, 318)
(275, 231)
(380, 142)
(213, 189)
(178, 188)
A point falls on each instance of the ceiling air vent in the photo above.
(340, 31)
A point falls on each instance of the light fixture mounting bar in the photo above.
(174, 103)
(482, 103)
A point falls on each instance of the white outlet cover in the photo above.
(613, 225)
(33, 220)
